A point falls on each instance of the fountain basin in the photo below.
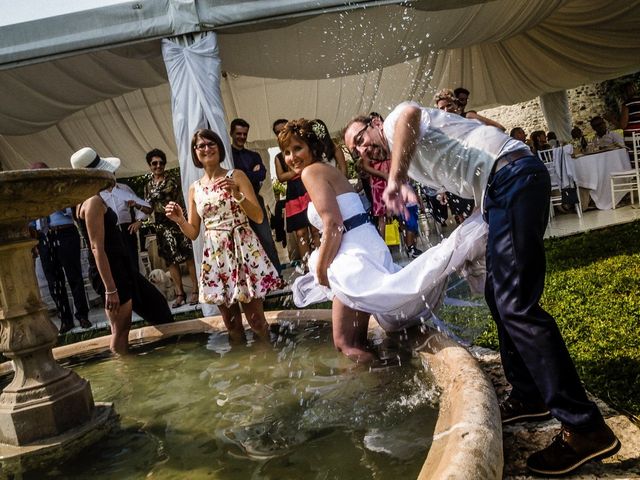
(467, 441)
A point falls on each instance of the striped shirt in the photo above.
(633, 125)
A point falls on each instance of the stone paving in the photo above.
(520, 440)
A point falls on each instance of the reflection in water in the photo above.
(193, 407)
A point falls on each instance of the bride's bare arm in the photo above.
(323, 195)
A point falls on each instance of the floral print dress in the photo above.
(235, 267)
(173, 245)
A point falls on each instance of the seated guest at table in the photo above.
(539, 141)
(578, 140)
(604, 139)
(519, 134)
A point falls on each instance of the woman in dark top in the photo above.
(110, 269)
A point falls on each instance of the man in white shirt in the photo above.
(604, 139)
(131, 210)
(473, 160)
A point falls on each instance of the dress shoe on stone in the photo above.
(64, 328)
(85, 323)
(513, 410)
(570, 449)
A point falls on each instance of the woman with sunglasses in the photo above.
(235, 268)
(353, 266)
(173, 246)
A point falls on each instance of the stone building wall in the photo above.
(584, 103)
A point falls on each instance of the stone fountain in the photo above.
(47, 412)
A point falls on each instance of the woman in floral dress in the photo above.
(235, 267)
(173, 246)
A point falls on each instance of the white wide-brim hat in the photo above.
(88, 158)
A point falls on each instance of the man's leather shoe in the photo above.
(513, 410)
(64, 328)
(570, 449)
(85, 323)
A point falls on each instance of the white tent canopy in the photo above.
(78, 73)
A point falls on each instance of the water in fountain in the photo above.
(194, 407)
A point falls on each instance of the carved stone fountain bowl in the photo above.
(29, 194)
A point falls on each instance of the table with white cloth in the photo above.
(592, 171)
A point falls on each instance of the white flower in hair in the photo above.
(319, 130)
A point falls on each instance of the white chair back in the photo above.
(628, 181)
(546, 155)
(636, 149)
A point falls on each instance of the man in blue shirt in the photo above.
(251, 164)
(59, 251)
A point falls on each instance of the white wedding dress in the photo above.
(364, 277)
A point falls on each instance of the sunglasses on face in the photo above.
(157, 163)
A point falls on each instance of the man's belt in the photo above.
(509, 158)
(57, 228)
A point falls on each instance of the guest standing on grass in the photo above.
(251, 164)
(296, 201)
(59, 251)
(235, 270)
(443, 149)
(173, 246)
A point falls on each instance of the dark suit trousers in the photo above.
(60, 255)
(534, 356)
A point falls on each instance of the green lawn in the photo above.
(593, 290)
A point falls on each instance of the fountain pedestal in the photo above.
(46, 408)
(44, 399)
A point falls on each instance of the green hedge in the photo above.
(593, 290)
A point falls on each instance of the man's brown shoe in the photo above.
(513, 410)
(569, 450)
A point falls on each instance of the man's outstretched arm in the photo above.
(405, 138)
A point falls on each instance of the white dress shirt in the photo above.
(117, 199)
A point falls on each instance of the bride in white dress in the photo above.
(353, 266)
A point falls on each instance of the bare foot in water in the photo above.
(359, 355)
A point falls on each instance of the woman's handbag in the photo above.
(569, 194)
(392, 233)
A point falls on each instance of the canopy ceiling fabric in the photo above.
(285, 61)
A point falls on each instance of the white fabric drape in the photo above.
(196, 102)
(555, 108)
(330, 66)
